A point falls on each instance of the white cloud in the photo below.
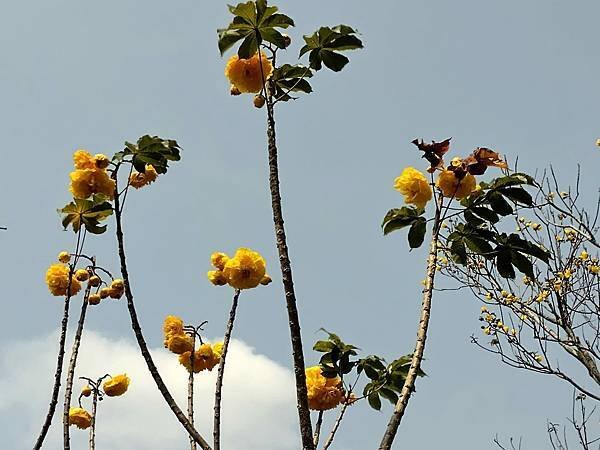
(258, 403)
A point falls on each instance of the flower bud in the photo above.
(259, 101)
(94, 299)
(64, 257)
(81, 275)
(86, 391)
(288, 40)
(234, 90)
(101, 161)
(104, 292)
(94, 281)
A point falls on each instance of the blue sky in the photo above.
(519, 77)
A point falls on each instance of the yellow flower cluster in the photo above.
(90, 176)
(414, 186)
(139, 180)
(176, 340)
(116, 385)
(323, 393)
(246, 270)
(57, 279)
(205, 358)
(80, 418)
(245, 75)
(494, 325)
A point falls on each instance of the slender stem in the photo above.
(59, 360)
(318, 425)
(71, 369)
(92, 441)
(417, 357)
(288, 283)
(190, 405)
(219, 387)
(137, 330)
(336, 425)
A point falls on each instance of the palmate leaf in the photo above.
(152, 150)
(325, 44)
(291, 78)
(86, 213)
(253, 23)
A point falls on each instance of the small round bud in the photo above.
(117, 284)
(101, 161)
(115, 293)
(81, 275)
(64, 257)
(234, 90)
(104, 292)
(86, 391)
(94, 281)
(259, 101)
(286, 41)
(94, 299)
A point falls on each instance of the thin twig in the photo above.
(221, 373)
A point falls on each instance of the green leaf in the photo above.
(277, 20)
(325, 44)
(486, 214)
(389, 395)
(522, 263)
(247, 11)
(374, 401)
(499, 204)
(518, 195)
(479, 245)
(249, 46)
(228, 38)
(416, 233)
(323, 346)
(471, 219)
(398, 218)
(332, 60)
(504, 264)
(458, 252)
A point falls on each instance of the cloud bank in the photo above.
(257, 412)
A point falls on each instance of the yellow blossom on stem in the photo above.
(452, 187)
(414, 186)
(172, 326)
(245, 270)
(180, 343)
(83, 160)
(323, 393)
(116, 385)
(219, 259)
(80, 418)
(204, 359)
(86, 182)
(216, 277)
(139, 180)
(57, 279)
(246, 74)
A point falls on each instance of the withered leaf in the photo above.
(434, 152)
(481, 159)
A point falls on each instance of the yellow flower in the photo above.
(116, 385)
(64, 257)
(139, 180)
(80, 418)
(323, 393)
(217, 349)
(245, 270)
(204, 359)
(216, 277)
(86, 182)
(414, 186)
(584, 255)
(246, 74)
(83, 160)
(452, 187)
(172, 326)
(57, 279)
(180, 343)
(219, 260)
